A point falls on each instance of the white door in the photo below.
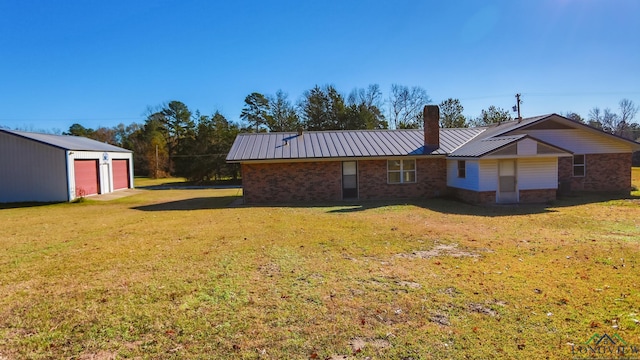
(105, 179)
(507, 182)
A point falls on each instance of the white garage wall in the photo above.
(105, 167)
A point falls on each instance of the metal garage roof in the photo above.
(67, 142)
(343, 144)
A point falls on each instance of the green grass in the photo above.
(145, 181)
(179, 274)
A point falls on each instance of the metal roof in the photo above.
(496, 136)
(343, 144)
(464, 142)
(481, 147)
(508, 126)
(526, 123)
(67, 142)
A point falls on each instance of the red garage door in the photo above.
(120, 174)
(86, 177)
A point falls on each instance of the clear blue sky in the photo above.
(100, 63)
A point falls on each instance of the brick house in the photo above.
(520, 161)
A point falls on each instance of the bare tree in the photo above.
(364, 108)
(620, 124)
(372, 96)
(628, 111)
(606, 120)
(406, 106)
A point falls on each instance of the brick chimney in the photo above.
(431, 116)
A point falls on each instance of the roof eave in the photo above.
(339, 158)
(635, 145)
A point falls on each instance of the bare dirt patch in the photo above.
(482, 309)
(440, 250)
(410, 284)
(451, 291)
(101, 355)
(360, 343)
(440, 319)
(269, 269)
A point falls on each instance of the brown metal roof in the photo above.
(479, 147)
(465, 142)
(343, 144)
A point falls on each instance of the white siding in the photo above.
(532, 173)
(580, 141)
(527, 147)
(31, 171)
(537, 173)
(105, 166)
(469, 182)
(488, 175)
(482, 175)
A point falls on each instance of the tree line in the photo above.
(174, 141)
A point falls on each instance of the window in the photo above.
(401, 171)
(349, 180)
(578, 165)
(462, 169)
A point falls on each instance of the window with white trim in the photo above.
(462, 169)
(401, 171)
(578, 165)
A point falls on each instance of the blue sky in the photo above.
(100, 63)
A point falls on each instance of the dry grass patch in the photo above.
(178, 274)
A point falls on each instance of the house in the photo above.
(56, 168)
(520, 161)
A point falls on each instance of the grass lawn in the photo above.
(177, 274)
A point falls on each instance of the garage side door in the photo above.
(120, 174)
(86, 177)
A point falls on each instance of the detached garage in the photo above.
(51, 168)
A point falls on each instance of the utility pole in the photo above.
(518, 106)
(156, 173)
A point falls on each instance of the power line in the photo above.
(554, 94)
(585, 93)
(67, 119)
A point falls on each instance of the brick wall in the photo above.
(292, 182)
(431, 180)
(604, 172)
(489, 197)
(537, 196)
(474, 197)
(322, 181)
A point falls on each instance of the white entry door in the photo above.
(105, 179)
(507, 182)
